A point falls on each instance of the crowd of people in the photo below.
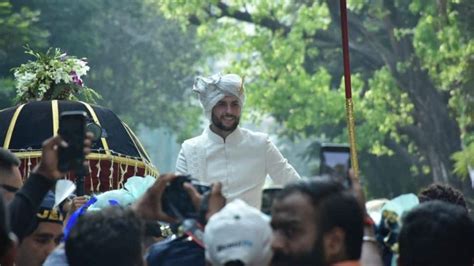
(311, 221)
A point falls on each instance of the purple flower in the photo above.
(75, 79)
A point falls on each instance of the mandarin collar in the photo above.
(233, 138)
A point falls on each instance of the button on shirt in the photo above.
(241, 163)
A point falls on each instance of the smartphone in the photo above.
(176, 201)
(72, 129)
(335, 162)
(268, 195)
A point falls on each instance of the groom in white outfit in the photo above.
(237, 157)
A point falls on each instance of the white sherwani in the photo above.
(240, 163)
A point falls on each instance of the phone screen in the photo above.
(268, 195)
(72, 130)
(336, 162)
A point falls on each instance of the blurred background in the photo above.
(412, 75)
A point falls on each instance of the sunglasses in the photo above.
(9, 188)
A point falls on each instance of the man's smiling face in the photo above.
(226, 113)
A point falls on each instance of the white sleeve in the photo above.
(278, 167)
(181, 165)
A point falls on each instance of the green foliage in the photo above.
(290, 53)
(412, 63)
(464, 159)
(142, 64)
(7, 92)
(384, 108)
(17, 28)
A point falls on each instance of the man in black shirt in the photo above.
(27, 200)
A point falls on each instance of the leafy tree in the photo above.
(409, 63)
(17, 27)
(140, 63)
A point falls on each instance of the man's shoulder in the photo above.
(193, 141)
(254, 135)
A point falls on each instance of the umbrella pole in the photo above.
(347, 83)
(80, 172)
(80, 185)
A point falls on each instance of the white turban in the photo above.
(214, 88)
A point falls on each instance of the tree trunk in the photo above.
(435, 132)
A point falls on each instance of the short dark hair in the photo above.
(7, 160)
(335, 207)
(234, 263)
(112, 236)
(436, 233)
(5, 241)
(442, 192)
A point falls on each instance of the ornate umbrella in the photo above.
(116, 156)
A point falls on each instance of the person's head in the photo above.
(112, 236)
(46, 231)
(436, 233)
(442, 192)
(222, 97)
(10, 177)
(316, 222)
(226, 113)
(238, 235)
(7, 238)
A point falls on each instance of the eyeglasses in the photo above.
(9, 188)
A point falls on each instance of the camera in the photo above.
(177, 203)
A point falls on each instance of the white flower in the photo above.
(35, 78)
(61, 74)
(24, 80)
(42, 88)
(80, 67)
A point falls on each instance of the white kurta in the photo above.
(241, 163)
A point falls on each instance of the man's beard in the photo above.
(218, 123)
(313, 257)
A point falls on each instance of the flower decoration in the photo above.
(52, 76)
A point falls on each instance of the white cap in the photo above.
(214, 88)
(238, 232)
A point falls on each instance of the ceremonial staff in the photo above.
(347, 84)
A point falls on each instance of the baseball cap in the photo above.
(238, 232)
(46, 213)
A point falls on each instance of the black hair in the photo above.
(112, 236)
(442, 192)
(7, 160)
(234, 263)
(335, 207)
(436, 233)
(5, 241)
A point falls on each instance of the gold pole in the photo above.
(352, 139)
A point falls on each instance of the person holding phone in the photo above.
(27, 200)
(237, 157)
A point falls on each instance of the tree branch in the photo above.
(266, 22)
(403, 152)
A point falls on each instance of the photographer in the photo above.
(180, 251)
(125, 239)
(27, 200)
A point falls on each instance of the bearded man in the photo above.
(317, 223)
(238, 158)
